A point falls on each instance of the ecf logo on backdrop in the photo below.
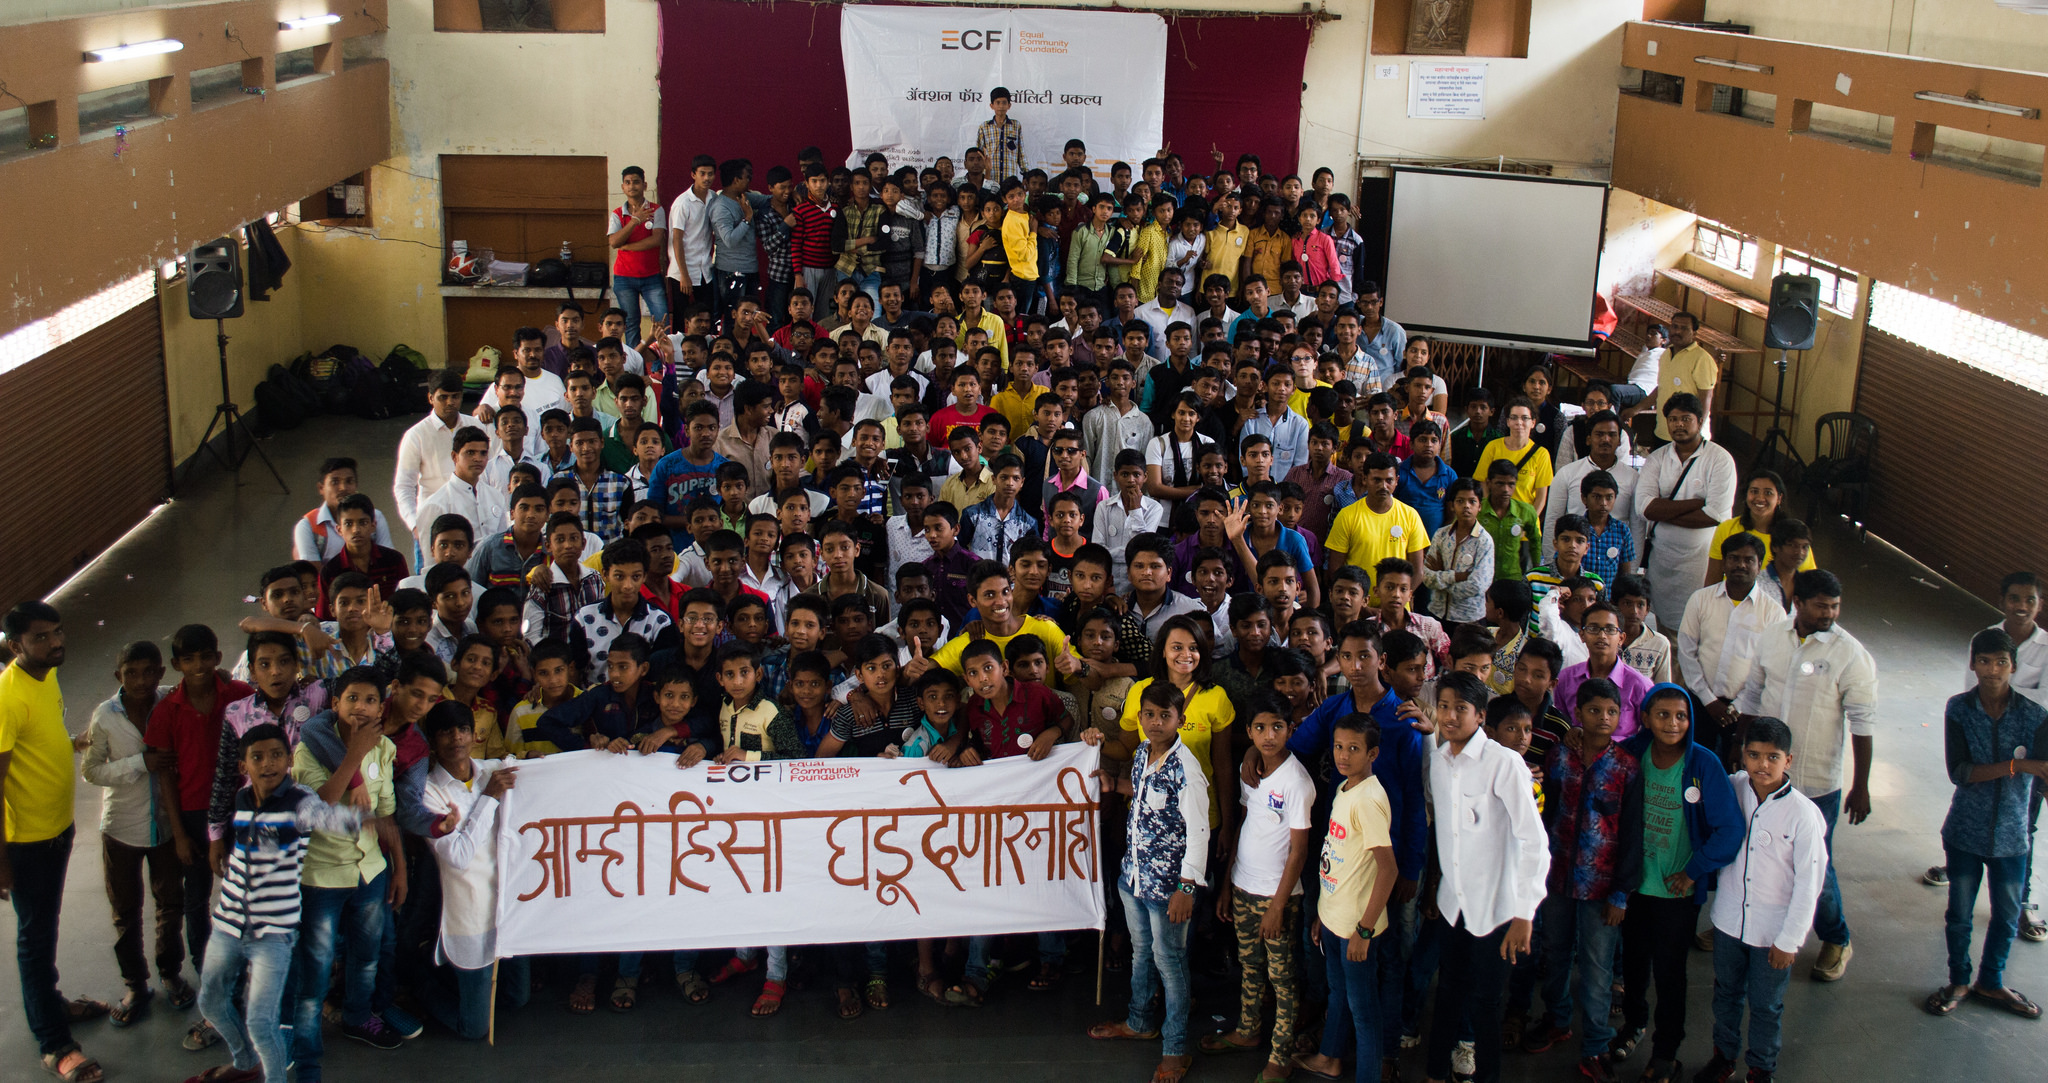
(742, 772)
(971, 40)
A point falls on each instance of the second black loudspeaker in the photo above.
(213, 280)
(1795, 312)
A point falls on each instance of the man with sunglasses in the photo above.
(1070, 475)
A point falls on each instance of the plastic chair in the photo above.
(1844, 443)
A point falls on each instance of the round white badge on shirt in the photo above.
(370, 771)
(1539, 426)
(1109, 714)
(1515, 530)
(1023, 740)
(2020, 753)
(1614, 552)
(1394, 531)
(1329, 500)
(885, 231)
(1692, 795)
(1806, 668)
(301, 713)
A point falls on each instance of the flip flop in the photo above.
(86, 1009)
(1120, 1032)
(130, 1008)
(2011, 1000)
(1943, 1001)
(1221, 1043)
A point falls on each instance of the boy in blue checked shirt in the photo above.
(1610, 545)
(1164, 863)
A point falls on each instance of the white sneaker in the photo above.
(1464, 1060)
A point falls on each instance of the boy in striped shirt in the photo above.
(256, 916)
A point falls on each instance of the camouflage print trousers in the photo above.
(1261, 961)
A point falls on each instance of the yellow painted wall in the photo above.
(269, 333)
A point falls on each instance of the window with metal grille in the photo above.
(1837, 284)
(1719, 244)
(2001, 349)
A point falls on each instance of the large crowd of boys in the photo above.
(1398, 719)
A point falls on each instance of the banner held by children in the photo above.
(601, 852)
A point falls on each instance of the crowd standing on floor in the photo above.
(1412, 719)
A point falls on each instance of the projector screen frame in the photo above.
(1585, 346)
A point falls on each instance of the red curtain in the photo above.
(762, 81)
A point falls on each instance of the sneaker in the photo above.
(1599, 1069)
(373, 1033)
(1465, 1060)
(1759, 1075)
(2032, 928)
(1542, 1038)
(1625, 1042)
(1833, 962)
(1719, 1070)
(1935, 876)
(404, 1022)
(1411, 1041)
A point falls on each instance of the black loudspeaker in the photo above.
(213, 280)
(1795, 312)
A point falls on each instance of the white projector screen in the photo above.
(1495, 257)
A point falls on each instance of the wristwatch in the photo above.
(1364, 932)
(1186, 887)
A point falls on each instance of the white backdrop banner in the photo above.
(917, 81)
(600, 852)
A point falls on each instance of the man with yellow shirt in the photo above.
(1378, 526)
(972, 315)
(1687, 369)
(1226, 244)
(36, 775)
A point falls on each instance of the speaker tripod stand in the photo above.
(228, 417)
(1777, 441)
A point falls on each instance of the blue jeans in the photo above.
(38, 895)
(1160, 996)
(1578, 954)
(463, 1004)
(1392, 952)
(346, 921)
(1743, 973)
(2027, 876)
(1470, 981)
(631, 292)
(778, 961)
(1966, 873)
(1829, 922)
(255, 1039)
(870, 283)
(1052, 951)
(1352, 1023)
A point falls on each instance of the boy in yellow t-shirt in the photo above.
(1357, 877)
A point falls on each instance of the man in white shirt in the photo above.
(1125, 514)
(2019, 594)
(1823, 684)
(1716, 642)
(1642, 376)
(689, 235)
(424, 464)
(542, 389)
(1683, 491)
(1494, 855)
(465, 492)
(1603, 445)
(1163, 310)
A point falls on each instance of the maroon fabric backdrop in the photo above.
(762, 81)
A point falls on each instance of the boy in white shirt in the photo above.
(463, 795)
(1764, 907)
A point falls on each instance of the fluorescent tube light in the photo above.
(309, 22)
(1760, 69)
(1978, 103)
(140, 48)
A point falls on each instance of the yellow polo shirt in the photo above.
(1366, 537)
(1534, 475)
(1691, 371)
(1208, 714)
(40, 776)
(1226, 251)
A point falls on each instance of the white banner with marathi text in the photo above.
(600, 852)
(917, 81)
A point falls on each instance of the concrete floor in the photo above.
(198, 559)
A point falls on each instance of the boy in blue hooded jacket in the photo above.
(1691, 827)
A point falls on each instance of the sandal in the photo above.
(1221, 1043)
(72, 1066)
(965, 995)
(1118, 1032)
(85, 1010)
(1266, 1074)
(878, 994)
(770, 1000)
(850, 1006)
(200, 1035)
(625, 993)
(125, 1013)
(180, 992)
(931, 985)
(733, 968)
(1047, 979)
(1171, 1073)
(693, 987)
(1944, 1000)
(583, 999)
(1301, 1066)
(2011, 1000)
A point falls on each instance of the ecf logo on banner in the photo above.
(971, 40)
(742, 772)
